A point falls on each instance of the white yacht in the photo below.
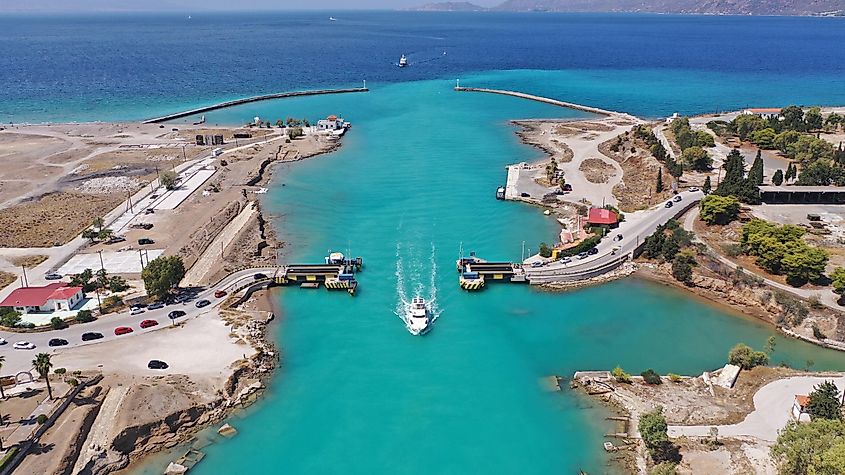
(418, 316)
(403, 61)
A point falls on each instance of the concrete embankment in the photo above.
(245, 100)
(554, 102)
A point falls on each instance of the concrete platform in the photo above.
(126, 262)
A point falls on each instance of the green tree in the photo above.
(764, 138)
(707, 187)
(824, 402)
(777, 178)
(785, 139)
(620, 375)
(735, 182)
(168, 179)
(84, 316)
(697, 158)
(755, 175)
(812, 448)
(654, 431)
(10, 319)
(838, 280)
(746, 124)
(716, 209)
(664, 468)
(545, 250)
(808, 149)
(57, 323)
(2, 394)
(90, 235)
(651, 377)
(813, 119)
(822, 173)
(793, 118)
(659, 186)
(803, 263)
(42, 365)
(295, 132)
(771, 343)
(745, 357)
(682, 266)
(163, 274)
(98, 223)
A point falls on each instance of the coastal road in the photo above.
(636, 227)
(21, 360)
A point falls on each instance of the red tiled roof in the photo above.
(765, 111)
(602, 216)
(38, 296)
(802, 400)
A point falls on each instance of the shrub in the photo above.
(41, 419)
(60, 371)
(716, 209)
(10, 319)
(84, 316)
(57, 323)
(584, 245)
(682, 266)
(675, 378)
(73, 381)
(620, 375)
(650, 377)
(664, 468)
(745, 357)
(818, 334)
(545, 250)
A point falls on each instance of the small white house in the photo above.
(764, 113)
(47, 299)
(331, 123)
(799, 408)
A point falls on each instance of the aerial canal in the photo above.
(356, 393)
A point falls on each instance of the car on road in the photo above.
(145, 241)
(536, 264)
(203, 303)
(593, 251)
(525, 195)
(149, 211)
(157, 364)
(155, 306)
(23, 345)
(57, 342)
(88, 336)
(565, 260)
(693, 189)
(677, 198)
(567, 187)
(582, 255)
(149, 323)
(259, 276)
(53, 276)
(115, 239)
(176, 314)
(3, 341)
(618, 237)
(219, 293)
(137, 311)
(123, 330)
(668, 204)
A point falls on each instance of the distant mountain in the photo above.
(450, 7)
(714, 7)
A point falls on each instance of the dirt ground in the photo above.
(28, 261)
(637, 190)
(7, 278)
(52, 219)
(596, 170)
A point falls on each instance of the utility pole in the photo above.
(26, 281)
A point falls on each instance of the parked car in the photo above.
(88, 336)
(53, 276)
(137, 311)
(145, 241)
(149, 211)
(157, 364)
(618, 237)
(525, 195)
(582, 255)
(176, 314)
(694, 188)
(3, 341)
(567, 187)
(122, 330)
(259, 276)
(203, 303)
(565, 260)
(536, 264)
(668, 204)
(677, 198)
(23, 345)
(57, 342)
(148, 323)
(219, 293)
(155, 306)
(593, 251)
(115, 239)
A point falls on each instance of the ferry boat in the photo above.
(403, 61)
(418, 317)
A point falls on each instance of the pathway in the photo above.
(214, 251)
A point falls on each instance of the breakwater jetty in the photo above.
(554, 102)
(246, 100)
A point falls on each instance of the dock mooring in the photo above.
(475, 272)
(338, 273)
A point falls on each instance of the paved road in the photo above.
(772, 410)
(21, 360)
(636, 227)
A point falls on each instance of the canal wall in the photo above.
(554, 102)
(246, 100)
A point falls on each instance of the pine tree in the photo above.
(735, 183)
(707, 187)
(756, 172)
(659, 186)
(777, 179)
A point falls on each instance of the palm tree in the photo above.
(2, 395)
(43, 364)
(98, 223)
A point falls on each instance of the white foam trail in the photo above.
(403, 304)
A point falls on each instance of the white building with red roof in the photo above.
(50, 298)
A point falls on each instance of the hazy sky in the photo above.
(199, 5)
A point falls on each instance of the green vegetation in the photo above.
(664, 468)
(838, 280)
(777, 178)
(295, 132)
(41, 419)
(735, 183)
(42, 365)
(545, 250)
(685, 137)
(755, 174)
(582, 246)
(9, 455)
(57, 323)
(112, 303)
(707, 187)
(169, 179)
(654, 432)
(822, 173)
(644, 132)
(650, 377)
(824, 402)
(163, 274)
(9, 318)
(84, 316)
(659, 185)
(811, 448)
(675, 378)
(86, 280)
(745, 357)
(716, 209)
(780, 250)
(697, 158)
(666, 241)
(682, 265)
(620, 375)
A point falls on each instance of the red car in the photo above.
(122, 330)
(148, 323)
(219, 293)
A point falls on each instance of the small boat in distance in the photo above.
(403, 61)
(418, 317)
(331, 18)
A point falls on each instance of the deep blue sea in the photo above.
(416, 177)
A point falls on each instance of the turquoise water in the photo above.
(356, 393)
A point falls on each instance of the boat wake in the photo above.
(416, 283)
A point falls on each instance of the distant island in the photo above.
(710, 7)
